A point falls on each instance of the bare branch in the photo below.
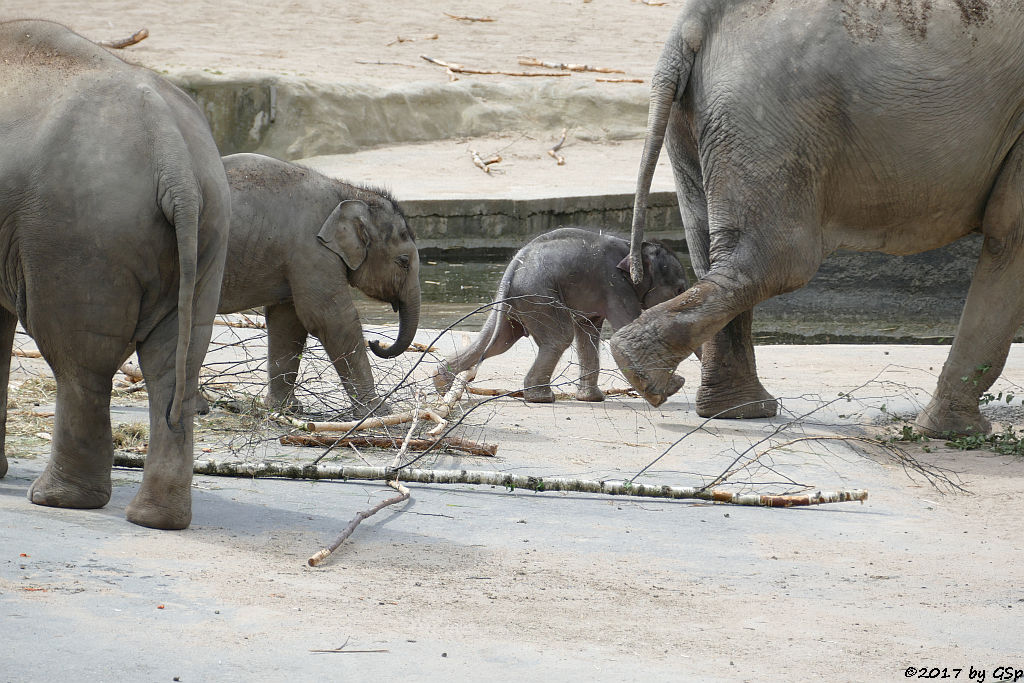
(532, 61)
(459, 68)
(134, 38)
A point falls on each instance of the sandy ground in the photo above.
(480, 582)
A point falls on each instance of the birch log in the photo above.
(504, 479)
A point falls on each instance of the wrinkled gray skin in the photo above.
(299, 242)
(107, 174)
(563, 285)
(799, 127)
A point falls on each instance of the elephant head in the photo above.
(378, 247)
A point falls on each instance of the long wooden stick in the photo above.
(510, 481)
(450, 442)
(518, 393)
(322, 554)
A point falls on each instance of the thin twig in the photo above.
(533, 61)
(460, 17)
(459, 68)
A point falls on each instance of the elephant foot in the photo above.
(288, 404)
(375, 406)
(202, 404)
(650, 371)
(170, 511)
(60, 490)
(3, 465)
(589, 394)
(542, 394)
(443, 379)
(946, 418)
(739, 400)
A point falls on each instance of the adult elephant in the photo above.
(299, 242)
(114, 212)
(796, 128)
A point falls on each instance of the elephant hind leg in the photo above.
(993, 312)
(498, 335)
(82, 452)
(164, 499)
(8, 325)
(729, 386)
(286, 340)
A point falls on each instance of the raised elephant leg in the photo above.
(8, 325)
(992, 313)
(286, 339)
(588, 347)
(729, 386)
(649, 349)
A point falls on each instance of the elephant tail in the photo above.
(179, 197)
(668, 83)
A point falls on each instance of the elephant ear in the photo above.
(346, 232)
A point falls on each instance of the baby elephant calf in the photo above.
(565, 284)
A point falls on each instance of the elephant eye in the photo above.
(403, 261)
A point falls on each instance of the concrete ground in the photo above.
(466, 581)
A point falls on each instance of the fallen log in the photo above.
(504, 479)
(450, 442)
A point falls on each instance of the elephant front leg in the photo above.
(347, 351)
(8, 325)
(286, 340)
(588, 346)
(729, 386)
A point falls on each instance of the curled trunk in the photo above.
(408, 321)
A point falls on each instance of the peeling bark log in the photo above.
(505, 479)
(553, 152)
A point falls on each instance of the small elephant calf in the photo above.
(565, 284)
(299, 242)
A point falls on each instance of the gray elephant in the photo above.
(299, 242)
(114, 213)
(795, 129)
(563, 285)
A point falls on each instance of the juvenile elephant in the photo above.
(797, 128)
(114, 213)
(299, 241)
(562, 285)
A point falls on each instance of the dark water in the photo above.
(449, 291)
(453, 289)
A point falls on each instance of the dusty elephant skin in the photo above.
(299, 241)
(795, 129)
(108, 174)
(563, 285)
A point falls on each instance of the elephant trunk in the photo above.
(408, 320)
